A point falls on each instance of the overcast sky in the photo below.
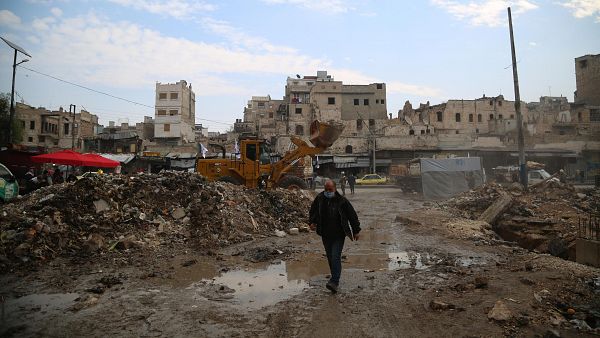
(230, 50)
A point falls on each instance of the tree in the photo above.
(17, 128)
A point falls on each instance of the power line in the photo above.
(87, 88)
(110, 95)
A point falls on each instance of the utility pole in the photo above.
(520, 137)
(73, 128)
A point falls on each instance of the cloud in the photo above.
(178, 9)
(56, 11)
(583, 8)
(533, 44)
(8, 18)
(490, 13)
(42, 24)
(349, 76)
(331, 6)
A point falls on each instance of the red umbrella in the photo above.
(67, 157)
(95, 160)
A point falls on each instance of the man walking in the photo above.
(351, 183)
(334, 218)
(343, 181)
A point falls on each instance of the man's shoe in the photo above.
(332, 287)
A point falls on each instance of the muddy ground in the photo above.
(414, 273)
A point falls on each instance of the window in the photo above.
(66, 128)
(491, 103)
(382, 101)
(594, 115)
(476, 131)
(299, 130)
(162, 96)
(579, 117)
(371, 122)
(331, 100)
(500, 117)
(356, 102)
(309, 83)
(512, 116)
(359, 124)
(457, 117)
(298, 110)
(411, 132)
(270, 114)
(422, 132)
(491, 117)
(500, 103)
(348, 149)
(30, 139)
(167, 127)
(32, 125)
(251, 151)
(23, 123)
(161, 112)
(173, 112)
(456, 132)
(174, 96)
(428, 131)
(377, 101)
(379, 86)
(366, 102)
(470, 117)
(261, 104)
(440, 116)
(479, 118)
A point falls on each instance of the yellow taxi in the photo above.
(371, 179)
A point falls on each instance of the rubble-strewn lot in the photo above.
(140, 212)
(545, 218)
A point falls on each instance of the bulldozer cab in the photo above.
(256, 150)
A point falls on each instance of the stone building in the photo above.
(175, 113)
(55, 130)
(587, 78)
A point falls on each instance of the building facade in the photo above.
(587, 77)
(175, 113)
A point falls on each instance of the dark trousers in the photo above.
(352, 189)
(333, 250)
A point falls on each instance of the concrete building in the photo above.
(175, 113)
(587, 78)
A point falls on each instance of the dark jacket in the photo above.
(350, 222)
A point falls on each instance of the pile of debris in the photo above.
(545, 218)
(107, 213)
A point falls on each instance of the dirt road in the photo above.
(412, 274)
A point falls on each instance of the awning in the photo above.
(123, 158)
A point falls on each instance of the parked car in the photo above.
(371, 179)
(537, 176)
(9, 188)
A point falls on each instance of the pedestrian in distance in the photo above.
(343, 181)
(351, 183)
(334, 218)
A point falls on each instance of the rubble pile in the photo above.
(545, 218)
(107, 213)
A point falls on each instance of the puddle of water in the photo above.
(34, 307)
(257, 288)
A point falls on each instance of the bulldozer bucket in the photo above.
(324, 134)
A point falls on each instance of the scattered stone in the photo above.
(127, 243)
(541, 295)
(500, 312)
(294, 231)
(94, 242)
(178, 213)
(101, 206)
(280, 233)
(436, 305)
(189, 263)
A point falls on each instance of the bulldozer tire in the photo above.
(292, 183)
(229, 179)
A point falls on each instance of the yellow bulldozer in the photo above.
(254, 168)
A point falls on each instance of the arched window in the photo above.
(491, 117)
(371, 122)
(440, 116)
(500, 117)
(411, 132)
(428, 131)
(457, 116)
(348, 149)
(479, 118)
(359, 124)
(299, 130)
(470, 117)
(422, 132)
